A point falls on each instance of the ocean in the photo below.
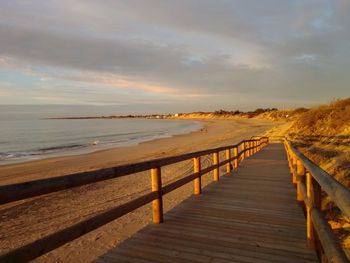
(27, 134)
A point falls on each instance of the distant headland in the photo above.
(267, 113)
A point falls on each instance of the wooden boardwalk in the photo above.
(251, 215)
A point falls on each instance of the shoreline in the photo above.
(64, 151)
(33, 218)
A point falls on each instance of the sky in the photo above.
(176, 56)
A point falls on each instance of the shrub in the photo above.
(329, 119)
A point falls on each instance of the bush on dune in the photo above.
(323, 134)
(326, 120)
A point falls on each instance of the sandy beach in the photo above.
(25, 221)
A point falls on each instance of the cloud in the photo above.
(307, 58)
(72, 51)
(144, 61)
(191, 49)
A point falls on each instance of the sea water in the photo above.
(28, 133)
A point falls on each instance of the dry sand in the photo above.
(25, 221)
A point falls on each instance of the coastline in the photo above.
(25, 221)
(78, 147)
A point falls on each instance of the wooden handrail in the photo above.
(15, 192)
(319, 233)
(329, 242)
(19, 191)
(338, 193)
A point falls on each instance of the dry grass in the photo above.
(323, 135)
(282, 115)
(326, 120)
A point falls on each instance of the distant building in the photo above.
(176, 115)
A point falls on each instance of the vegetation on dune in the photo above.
(323, 135)
(224, 114)
(326, 120)
(249, 114)
(282, 115)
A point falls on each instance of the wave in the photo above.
(94, 144)
(85, 144)
(58, 148)
(33, 153)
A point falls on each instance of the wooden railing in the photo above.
(310, 180)
(15, 192)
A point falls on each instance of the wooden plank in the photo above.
(199, 251)
(245, 224)
(122, 258)
(223, 250)
(212, 245)
(264, 235)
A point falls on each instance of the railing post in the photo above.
(228, 157)
(290, 160)
(313, 193)
(157, 204)
(247, 145)
(197, 181)
(288, 155)
(255, 147)
(235, 155)
(294, 169)
(216, 163)
(243, 151)
(309, 227)
(300, 179)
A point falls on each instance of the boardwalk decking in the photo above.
(251, 215)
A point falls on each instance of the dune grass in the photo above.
(323, 135)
